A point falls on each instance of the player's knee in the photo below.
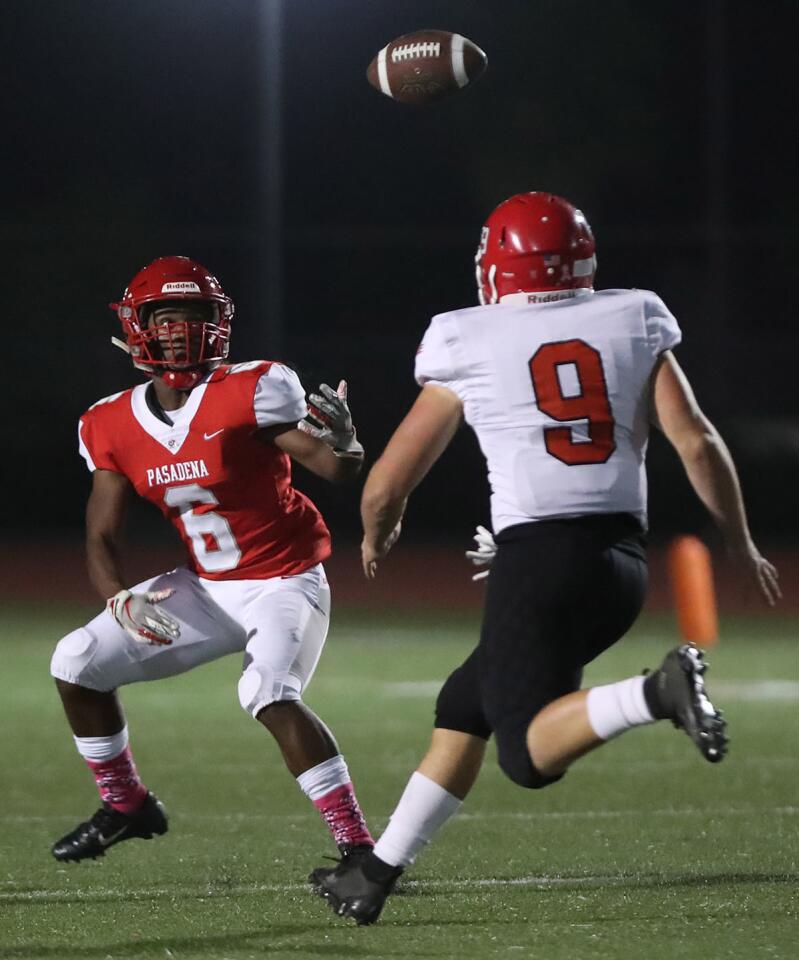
(72, 655)
(458, 707)
(515, 762)
(260, 685)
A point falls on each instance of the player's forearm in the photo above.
(332, 466)
(382, 509)
(712, 474)
(347, 467)
(104, 565)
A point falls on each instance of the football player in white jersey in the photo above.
(210, 444)
(560, 384)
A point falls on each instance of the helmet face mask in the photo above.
(534, 248)
(176, 321)
(180, 335)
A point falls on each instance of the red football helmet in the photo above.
(535, 247)
(181, 352)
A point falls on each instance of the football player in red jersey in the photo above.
(210, 444)
(560, 383)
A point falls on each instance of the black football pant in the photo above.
(559, 593)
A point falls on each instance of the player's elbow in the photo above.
(698, 443)
(102, 538)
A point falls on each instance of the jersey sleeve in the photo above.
(279, 397)
(436, 357)
(94, 444)
(662, 330)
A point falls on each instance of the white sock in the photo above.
(324, 777)
(423, 809)
(617, 707)
(100, 749)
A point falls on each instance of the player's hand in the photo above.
(330, 420)
(371, 553)
(486, 550)
(139, 616)
(763, 574)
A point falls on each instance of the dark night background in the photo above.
(134, 130)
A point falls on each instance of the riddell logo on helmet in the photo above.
(549, 296)
(180, 286)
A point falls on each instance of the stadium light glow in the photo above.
(269, 124)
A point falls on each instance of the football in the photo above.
(425, 66)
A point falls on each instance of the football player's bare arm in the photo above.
(314, 454)
(417, 443)
(105, 521)
(94, 713)
(709, 466)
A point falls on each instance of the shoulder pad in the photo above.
(249, 365)
(110, 399)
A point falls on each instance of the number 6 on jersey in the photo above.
(212, 541)
(591, 403)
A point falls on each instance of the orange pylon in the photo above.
(691, 574)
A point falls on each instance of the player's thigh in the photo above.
(620, 591)
(287, 619)
(530, 649)
(554, 601)
(102, 656)
(528, 654)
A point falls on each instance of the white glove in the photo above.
(330, 420)
(138, 616)
(485, 552)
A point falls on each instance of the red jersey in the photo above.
(227, 491)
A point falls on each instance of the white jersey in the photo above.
(559, 397)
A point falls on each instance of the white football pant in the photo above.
(279, 624)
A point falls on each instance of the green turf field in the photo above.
(643, 851)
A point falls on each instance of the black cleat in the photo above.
(676, 691)
(108, 826)
(355, 850)
(350, 892)
(349, 852)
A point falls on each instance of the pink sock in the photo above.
(343, 816)
(118, 782)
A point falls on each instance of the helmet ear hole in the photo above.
(502, 237)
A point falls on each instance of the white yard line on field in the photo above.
(755, 689)
(234, 890)
(710, 812)
(751, 690)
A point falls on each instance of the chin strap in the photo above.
(121, 344)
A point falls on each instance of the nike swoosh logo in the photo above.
(107, 841)
(210, 436)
